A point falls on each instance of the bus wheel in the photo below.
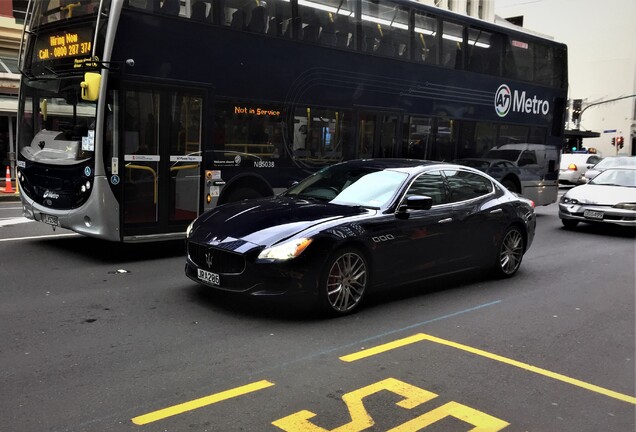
(509, 253)
(241, 194)
(344, 281)
(510, 185)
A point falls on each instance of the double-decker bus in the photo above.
(135, 116)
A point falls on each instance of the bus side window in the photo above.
(311, 25)
(258, 20)
(425, 43)
(199, 11)
(238, 20)
(343, 31)
(452, 45)
(170, 7)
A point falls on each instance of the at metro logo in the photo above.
(505, 100)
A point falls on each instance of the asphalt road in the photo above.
(106, 337)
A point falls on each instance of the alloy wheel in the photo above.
(511, 252)
(346, 282)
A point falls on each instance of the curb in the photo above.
(9, 197)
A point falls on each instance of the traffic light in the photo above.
(613, 141)
(577, 104)
(619, 142)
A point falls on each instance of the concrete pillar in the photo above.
(459, 6)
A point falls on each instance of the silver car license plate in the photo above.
(592, 214)
(208, 277)
(49, 219)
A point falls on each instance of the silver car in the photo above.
(609, 198)
(609, 162)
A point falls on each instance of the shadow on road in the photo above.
(111, 252)
(603, 230)
(307, 309)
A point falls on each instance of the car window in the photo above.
(527, 158)
(593, 160)
(464, 185)
(429, 184)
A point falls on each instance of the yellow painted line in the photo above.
(422, 337)
(384, 348)
(201, 402)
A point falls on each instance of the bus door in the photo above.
(162, 134)
(377, 134)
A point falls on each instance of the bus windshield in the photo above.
(56, 126)
(49, 11)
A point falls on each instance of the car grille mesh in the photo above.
(223, 262)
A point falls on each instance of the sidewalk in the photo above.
(4, 196)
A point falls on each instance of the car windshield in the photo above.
(351, 185)
(616, 161)
(616, 177)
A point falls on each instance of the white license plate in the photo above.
(50, 219)
(591, 214)
(208, 277)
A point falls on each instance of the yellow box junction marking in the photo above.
(412, 397)
(201, 402)
(424, 337)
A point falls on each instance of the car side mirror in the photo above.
(416, 202)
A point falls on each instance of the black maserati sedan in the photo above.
(359, 226)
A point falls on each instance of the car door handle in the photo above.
(498, 211)
(447, 220)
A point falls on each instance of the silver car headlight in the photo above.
(566, 200)
(286, 250)
(626, 206)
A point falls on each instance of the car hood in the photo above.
(602, 195)
(264, 222)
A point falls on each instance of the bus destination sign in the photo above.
(63, 45)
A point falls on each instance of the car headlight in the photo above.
(189, 229)
(286, 250)
(566, 200)
(626, 206)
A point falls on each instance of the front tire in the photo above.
(509, 253)
(569, 223)
(344, 281)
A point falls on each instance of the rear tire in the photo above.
(510, 185)
(569, 223)
(509, 253)
(344, 281)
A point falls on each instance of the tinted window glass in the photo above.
(247, 132)
(417, 133)
(485, 51)
(509, 134)
(321, 135)
(425, 43)
(465, 185)
(430, 184)
(452, 45)
(518, 59)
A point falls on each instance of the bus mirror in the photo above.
(90, 86)
(43, 108)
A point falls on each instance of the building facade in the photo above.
(601, 40)
(10, 35)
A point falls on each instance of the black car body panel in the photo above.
(400, 245)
